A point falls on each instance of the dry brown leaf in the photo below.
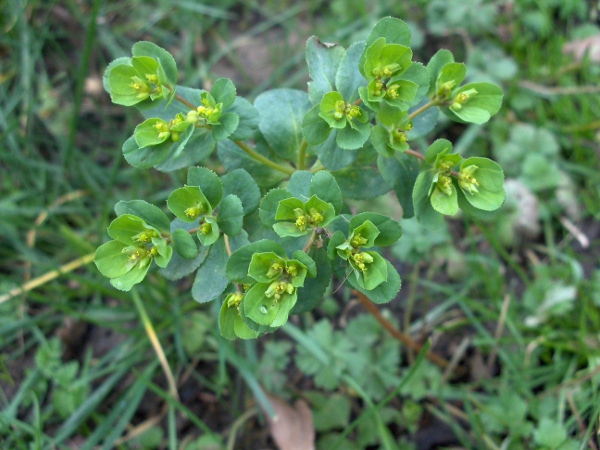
(580, 47)
(292, 427)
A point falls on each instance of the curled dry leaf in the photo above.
(580, 47)
(292, 427)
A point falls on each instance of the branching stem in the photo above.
(422, 109)
(374, 311)
(266, 161)
(184, 101)
(415, 154)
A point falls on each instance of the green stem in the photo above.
(310, 242)
(422, 109)
(317, 167)
(266, 161)
(179, 98)
(302, 155)
(415, 154)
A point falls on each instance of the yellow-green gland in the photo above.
(234, 300)
(145, 236)
(152, 252)
(444, 168)
(152, 78)
(135, 253)
(292, 270)
(140, 85)
(353, 111)
(205, 228)
(315, 217)
(274, 270)
(278, 288)
(389, 70)
(301, 223)
(194, 211)
(205, 111)
(467, 181)
(358, 241)
(399, 136)
(392, 91)
(361, 260)
(445, 90)
(192, 117)
(163, 130)
(444, 184)
(378, 89)
(175, 136)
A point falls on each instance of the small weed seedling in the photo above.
(267, 236)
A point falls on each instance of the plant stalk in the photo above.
(374, 311)
(266, 161)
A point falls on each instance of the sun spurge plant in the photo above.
(266, 237)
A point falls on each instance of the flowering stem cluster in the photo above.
(267, 233)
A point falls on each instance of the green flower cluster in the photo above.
(127, 258)
(295, 157)
(267, 288)
(453, 182)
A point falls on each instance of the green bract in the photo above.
(301, 218)
(267, 232)
(127, 258)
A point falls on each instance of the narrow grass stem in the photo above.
(302, 155)
(374, 311)
(155, 343)
(266, 161)
(48, 276)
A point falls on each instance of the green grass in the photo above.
(523, 370)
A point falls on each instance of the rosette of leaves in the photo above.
(359, 262)
(471, 103)
(202, 202)
(140, 235)
(478, 185)
(144, 79)
(270, 281)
